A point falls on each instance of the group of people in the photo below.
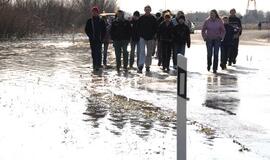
(162, 35)
(147, 34)
(221, 33)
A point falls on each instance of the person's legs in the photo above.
(209, 46)
(117, 48)
(94, 54)
(138, 52)
(132, 53)
(183, 49)
(223, 56)
(176, 50)
(235, 51)
(99, 54)
(216, 51)
(105, 52)
(125, 53)
(142, 54)
(159, 53)
(168, 53)
(148, 60)
(163, 53)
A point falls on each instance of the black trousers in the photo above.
(166, 51)
(234, 51)
(96, 48)
(225, 54)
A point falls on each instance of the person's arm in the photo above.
(88, 29)
(188, 37)
(203, 32)
(240, 26)
(222, 30)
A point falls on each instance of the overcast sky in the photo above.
(191, 5)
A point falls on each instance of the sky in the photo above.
(189, 5)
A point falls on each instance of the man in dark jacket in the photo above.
(147, 27)
(120, 34)
(95, 29)
(181, 34)
(134, 39)
(236, 23)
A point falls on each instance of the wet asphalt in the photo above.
(53, 106)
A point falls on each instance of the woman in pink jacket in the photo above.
(213, 32)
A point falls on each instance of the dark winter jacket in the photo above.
(147, 27)
(95, 31)
(229, 35)
(236, 23)
(181, 34)
(164, 32)
(134, 32)
(120, 30)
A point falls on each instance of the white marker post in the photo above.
(181, 107)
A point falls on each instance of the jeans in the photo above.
(212, 49)
(133, 45)
(178, 49)
(147, 60)
(96, 47)
(120, 46)
(166, 50)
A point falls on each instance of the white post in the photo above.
(181, 107)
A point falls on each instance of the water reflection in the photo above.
(222, 93)
(118, 113)
(95, 111)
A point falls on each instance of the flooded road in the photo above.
(52, 106)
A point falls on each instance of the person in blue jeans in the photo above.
(147, 28)
(213, 33)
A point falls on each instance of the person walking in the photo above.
(165, 35)
(159, 54)
(227, 43)
(120, 34)
(236, 23)
(95, 29)
(147, 26)
(213, 33)
(134, 44)
(181, 38)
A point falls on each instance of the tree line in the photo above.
(20, 18)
